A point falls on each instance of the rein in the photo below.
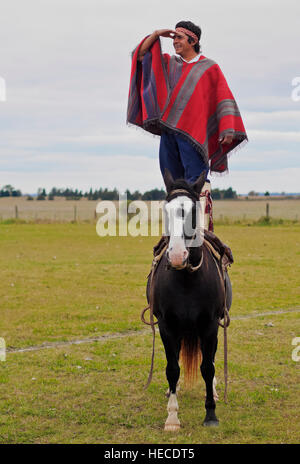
(226, 314)
(155, 262)
(191, 268)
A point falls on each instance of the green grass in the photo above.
(62, 282)
(94, 393)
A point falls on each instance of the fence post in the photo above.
(267, 210)
(75, 213)
(16, 212)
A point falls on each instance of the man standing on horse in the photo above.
(185, 99)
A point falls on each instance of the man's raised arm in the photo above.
(151, 39)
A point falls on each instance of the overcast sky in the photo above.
(66, 66)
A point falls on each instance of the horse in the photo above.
(187, 295)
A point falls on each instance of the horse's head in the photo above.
(181, 217)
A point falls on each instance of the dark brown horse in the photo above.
(187, 297)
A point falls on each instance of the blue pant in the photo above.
(180, 158)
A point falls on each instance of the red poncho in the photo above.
(193, 100)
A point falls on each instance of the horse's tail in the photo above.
(191, 357)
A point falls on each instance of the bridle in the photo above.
(188, 266)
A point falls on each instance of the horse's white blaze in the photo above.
(172, 423)
(177, 211)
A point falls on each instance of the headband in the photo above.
(187, 32)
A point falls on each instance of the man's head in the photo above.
(187, 38)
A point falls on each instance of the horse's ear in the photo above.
(168, 180)
(197, 186)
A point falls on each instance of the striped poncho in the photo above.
(193, 100)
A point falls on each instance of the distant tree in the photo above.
(107, 194)
(8, 188)
(154, 195)
(216, 194)
(133, 196)
(129, 195)
(16, 193)
(229, 194)
(137, 195)
(41, 194)
(4, 193)
(267, 194)
(223, 194)
(55, 192)
(252, 193)
(9, 191)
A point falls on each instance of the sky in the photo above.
(66, 66)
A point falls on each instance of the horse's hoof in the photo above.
(172, 427)
(211, 423)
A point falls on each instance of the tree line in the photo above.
(10, 191)
(100, 194)
(105, 194)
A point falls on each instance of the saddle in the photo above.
(221, 248)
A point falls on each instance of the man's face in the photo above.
(181, 44)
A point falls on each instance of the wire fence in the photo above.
(85, 210)
(60, 211)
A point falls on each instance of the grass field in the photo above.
(61, 282)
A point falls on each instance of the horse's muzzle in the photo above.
(177, 260)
